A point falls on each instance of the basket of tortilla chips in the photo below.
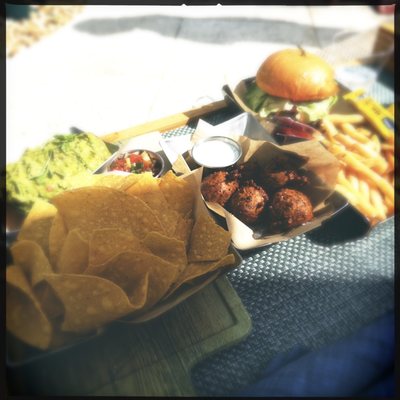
(116, 248)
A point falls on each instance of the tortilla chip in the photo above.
(82, 179)
(196, 269)
(61, 338)
(138, 296)
(31, 258)
(89, 301)
(24, 317)
(208, 241)
(168, 219)
(167, 216)
(133, 179)
(147, 188)
(37, 224)
(57, 235)
(49, 302)
(128, 269)
(104, 244)
(144, 183)
(74, 254)
(101, 207)
(178, 192)
(112, 181)
(170, 249)
(120, 182)
(183, 228)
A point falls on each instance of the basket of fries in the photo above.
(366, 155)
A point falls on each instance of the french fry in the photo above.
(350, 130)
(363, 204)
(377, 164)
(320, 137)
(344, 190)
(336, 149)
(329, 128)
(373, 159)
(378, 202)
(352, 144)
(346, 118)
(380, 182)
(364, 189)
(390, 160)
(390, 137)
(387, 147)
(367, 208)
(376, 143)
(342, 180)
(374, 213)
(364, 131)
(367, 175)
(354, 182)
(390, 205)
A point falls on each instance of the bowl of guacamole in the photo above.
(45, 171)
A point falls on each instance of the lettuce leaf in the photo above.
(318, 109)
(255, 97)
(264, 104)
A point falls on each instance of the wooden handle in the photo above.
(164, 124)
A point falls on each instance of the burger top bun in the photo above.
(296, 75)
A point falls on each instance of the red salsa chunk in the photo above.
(136, 162)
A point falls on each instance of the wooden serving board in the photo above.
(150, 359)
(164, 124)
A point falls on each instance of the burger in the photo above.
(293, 83)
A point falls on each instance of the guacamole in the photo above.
(43, 172)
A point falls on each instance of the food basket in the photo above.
(177, 286)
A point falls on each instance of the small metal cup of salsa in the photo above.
(138, 161)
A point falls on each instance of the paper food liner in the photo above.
(321, 168)
(237, 93)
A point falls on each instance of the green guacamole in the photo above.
(43, 172)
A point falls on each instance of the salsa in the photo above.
(136, 162)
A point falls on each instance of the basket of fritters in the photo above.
(273, 193)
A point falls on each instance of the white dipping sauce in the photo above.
(215, 153)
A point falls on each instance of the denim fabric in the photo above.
(360, 365)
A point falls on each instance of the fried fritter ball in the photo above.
(274, 181)
(246, 171)
(290, 208)
(283, 163)
(248, 202)
(218, 187)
